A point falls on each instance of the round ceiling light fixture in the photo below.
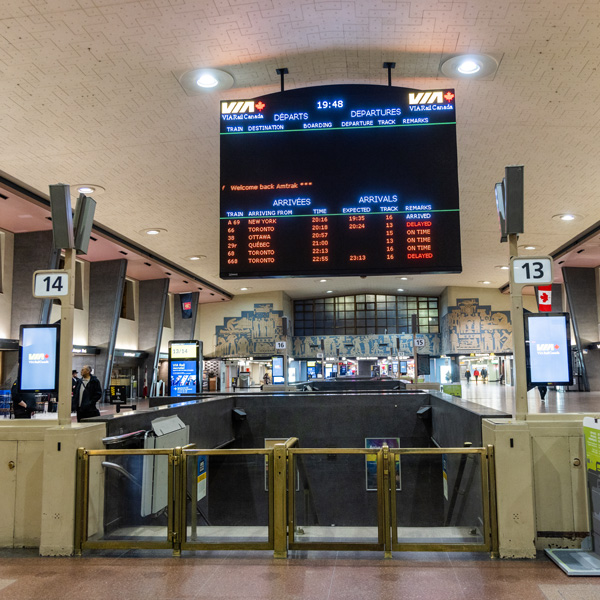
(502, 267)
(400, 290)
(195, 257)
(87, 189)
(566, 217)
(469, 65)
(200, 81)
(485, 282)
(153, 231)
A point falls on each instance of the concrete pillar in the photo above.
(580, 285)
(32, 252)
(107, 280)
(153, 303)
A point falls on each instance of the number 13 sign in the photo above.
(533, 270)
(50, 284)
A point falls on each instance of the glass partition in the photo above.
(228, 499)
(439, 501)
(335, 499)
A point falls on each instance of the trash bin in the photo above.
(244, 380)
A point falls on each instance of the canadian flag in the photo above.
(544, 293)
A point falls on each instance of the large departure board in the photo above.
(339, 180)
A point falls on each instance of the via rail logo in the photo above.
(547, 349)
(38, 358)
(437, 97)
(241, 106)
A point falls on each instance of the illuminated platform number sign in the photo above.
(339, 180)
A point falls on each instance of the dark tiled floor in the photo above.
(303, 576)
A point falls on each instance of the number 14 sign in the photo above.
(50, 284)
(533, 270)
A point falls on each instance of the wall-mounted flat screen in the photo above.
(39, 358)
(403, 367)
(548, 349)
(185, 372)
(339, 180)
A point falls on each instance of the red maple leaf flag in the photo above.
(544, 293)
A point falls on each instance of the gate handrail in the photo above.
(281, 497)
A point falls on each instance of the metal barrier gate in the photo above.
(172, 487)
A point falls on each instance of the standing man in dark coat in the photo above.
(85, 395)
(23, 402)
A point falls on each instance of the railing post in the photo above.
(280, 500)
(387, 490)
(492, 500)
(82, 463)
(176, 503)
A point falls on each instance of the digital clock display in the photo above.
(339, 180)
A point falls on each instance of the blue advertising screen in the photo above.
(38, 367)
(548, 349)
(183, 377)
(278, 375)
(339, 180)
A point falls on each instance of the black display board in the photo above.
(339, 180)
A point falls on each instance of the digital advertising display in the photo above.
(339, 180)
(277, 369)
(39, 358)
(185, 373)
(548, 349)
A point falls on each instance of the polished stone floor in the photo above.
(501, 397)
(304, 576)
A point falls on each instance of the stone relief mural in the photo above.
(253, 332)
(363, 345)
(471, 327)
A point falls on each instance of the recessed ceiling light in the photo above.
(484, 282)
(153, 230)
(206, 80)
(469, 65)
(201, 81)
(501, 267)
(399, 290)
(565, 217)
(245, 289)
(322, 280)
(329, 292)
(404, 278)
(196, 257)
(87, 188)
